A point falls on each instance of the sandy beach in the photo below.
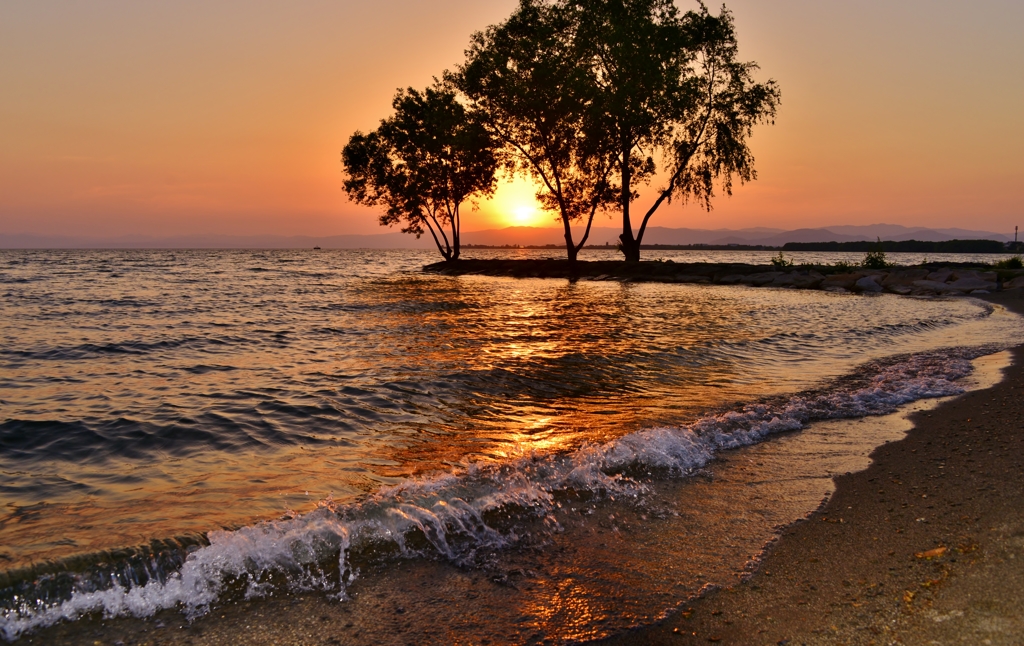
(926, 546)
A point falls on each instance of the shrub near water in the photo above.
(1013, 262)
(875, 259)
(781, 262)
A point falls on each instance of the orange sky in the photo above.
(187, 117)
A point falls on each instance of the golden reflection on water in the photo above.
(596, 360)
(568, 606)
(300, 380)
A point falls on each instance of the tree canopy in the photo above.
(670, 89)
(422, 164)
(592, 99)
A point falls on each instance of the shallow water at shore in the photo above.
(150, 395)
(610, 566)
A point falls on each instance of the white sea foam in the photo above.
(449, 510)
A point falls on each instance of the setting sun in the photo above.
(523, 213)
(515, 205)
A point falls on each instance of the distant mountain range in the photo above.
(511, 236)
(760, 235)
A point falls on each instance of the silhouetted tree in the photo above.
(636, 51)
(533, 88)
(422, 164)
(588, 97)
(670, 84)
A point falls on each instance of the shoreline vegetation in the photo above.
(919, 280)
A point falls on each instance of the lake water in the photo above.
(179, 429)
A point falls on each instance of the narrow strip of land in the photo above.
(926, 546)
(920, 280)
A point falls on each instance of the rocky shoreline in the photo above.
(919, 280)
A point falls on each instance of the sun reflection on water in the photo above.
(165, 393)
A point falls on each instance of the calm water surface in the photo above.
(157, 394)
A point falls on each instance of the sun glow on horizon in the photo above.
(142, 119)
(515, 205)
(523, 213)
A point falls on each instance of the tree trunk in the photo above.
(456, 219)
(570, 247)
(629, 246)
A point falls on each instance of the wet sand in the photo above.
(926, 546)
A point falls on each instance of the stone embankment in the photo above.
(931, 279)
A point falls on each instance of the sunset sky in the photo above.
(213, 117)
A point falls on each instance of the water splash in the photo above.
(473, 508)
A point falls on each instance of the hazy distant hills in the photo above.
(512, 236)
(779, 237)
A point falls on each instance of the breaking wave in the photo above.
(475, 508)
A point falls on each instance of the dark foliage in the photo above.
(670, 88)
(592, 98)
(531, 82)
(422, 164)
